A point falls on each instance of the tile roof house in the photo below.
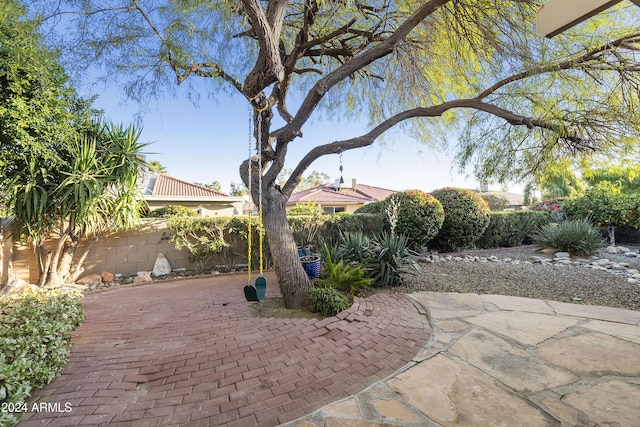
(332, 198)
(161, 190)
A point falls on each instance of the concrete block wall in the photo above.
(124, 252)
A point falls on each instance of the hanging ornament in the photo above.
(341, 169)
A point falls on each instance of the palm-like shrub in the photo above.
(466, 217)
(578, 237)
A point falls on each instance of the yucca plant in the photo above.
(392, 259)
(578, 237)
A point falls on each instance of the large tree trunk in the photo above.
(294, 282)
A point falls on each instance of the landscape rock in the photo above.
(107, 277)
(90, 280)
(143, 276)
(16, 286)
(161, 266)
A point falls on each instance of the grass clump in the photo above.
(578, 237)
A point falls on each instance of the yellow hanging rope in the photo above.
(249, 237)
(260, 225)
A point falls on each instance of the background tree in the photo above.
(156, 167)
(559, 179)
(215, 185)
(237, 189)
(421, 66)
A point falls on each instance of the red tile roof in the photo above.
(167, 186)
(327, 194)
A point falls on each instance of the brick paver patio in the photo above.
(190, 353)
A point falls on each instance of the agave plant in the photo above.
(355, 247)
(392, 259)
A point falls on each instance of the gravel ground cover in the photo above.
(547, 282)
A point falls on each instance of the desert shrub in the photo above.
(466, 217)
(415, 214)
(577, 236)
(604, 208)
(391, 259)
(203, 238)
(170, 211)
(496, 203)
(327, 301)
(515, 228)
(35, 341)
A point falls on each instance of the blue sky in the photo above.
(208, 142)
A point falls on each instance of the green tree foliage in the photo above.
(466, 217)
(92, 191)
(558, 179)
(620, 178)
(156, 167)
(602, 207)
(522, 100)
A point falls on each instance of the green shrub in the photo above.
(327, 301)
(170, 211)
(369, 224)
(372, 208)
(309, 229)
(603, 207)
(203, 238)
(35, 341)
(578, 237)
(466, 217)
(514, 228)
(309, 208)
(392, 259)
(345, 278)
(415, 214)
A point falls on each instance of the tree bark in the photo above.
(294, 282)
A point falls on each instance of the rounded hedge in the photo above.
(465, 220)
(419, 216)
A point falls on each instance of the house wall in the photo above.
(124, 252)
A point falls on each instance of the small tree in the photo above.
(93, 191)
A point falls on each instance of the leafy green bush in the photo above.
(345, 278)
(514, 228)
(35, 341)
(327, 301)
(372, 208)
(369, 224)
(415, 214)
(309, 229)
(201, 237)
(309, 208)
(466, 217)
(171, 211)
(603, 207)
(392, 259)
(577, 236)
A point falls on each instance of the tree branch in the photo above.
(369, 138)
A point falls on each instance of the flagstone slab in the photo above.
(612, 403)
(593, 354)
(568, 415)
(453, 394)
(528, 305)
(450, 305)
(620, 330)
(620, 315)
(393, 410)
(527, 328)
(518, 369)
